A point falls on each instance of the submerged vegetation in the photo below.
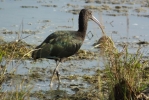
(15, 49)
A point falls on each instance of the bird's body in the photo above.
(62, 44)
(59, 45)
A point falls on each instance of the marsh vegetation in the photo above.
(110, 67)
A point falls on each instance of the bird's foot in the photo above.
(51, 85)
(58, 76)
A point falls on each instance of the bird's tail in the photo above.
(35, 53)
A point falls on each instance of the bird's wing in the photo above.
(59, 45)
(66, 46)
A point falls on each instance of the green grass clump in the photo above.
(8, 52)
(124, 74)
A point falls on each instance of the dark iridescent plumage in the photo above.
(59, 45)
(62, 44)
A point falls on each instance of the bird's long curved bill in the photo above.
(96, 21)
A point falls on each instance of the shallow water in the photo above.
(39, 21)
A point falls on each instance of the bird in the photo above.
(62, 44)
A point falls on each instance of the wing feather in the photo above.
(58, 45)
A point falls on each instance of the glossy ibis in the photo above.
(62, 44)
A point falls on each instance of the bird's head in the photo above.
(87, 14)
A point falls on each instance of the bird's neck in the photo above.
(82, 24)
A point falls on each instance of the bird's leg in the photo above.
(57, 73)
(58, 76)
